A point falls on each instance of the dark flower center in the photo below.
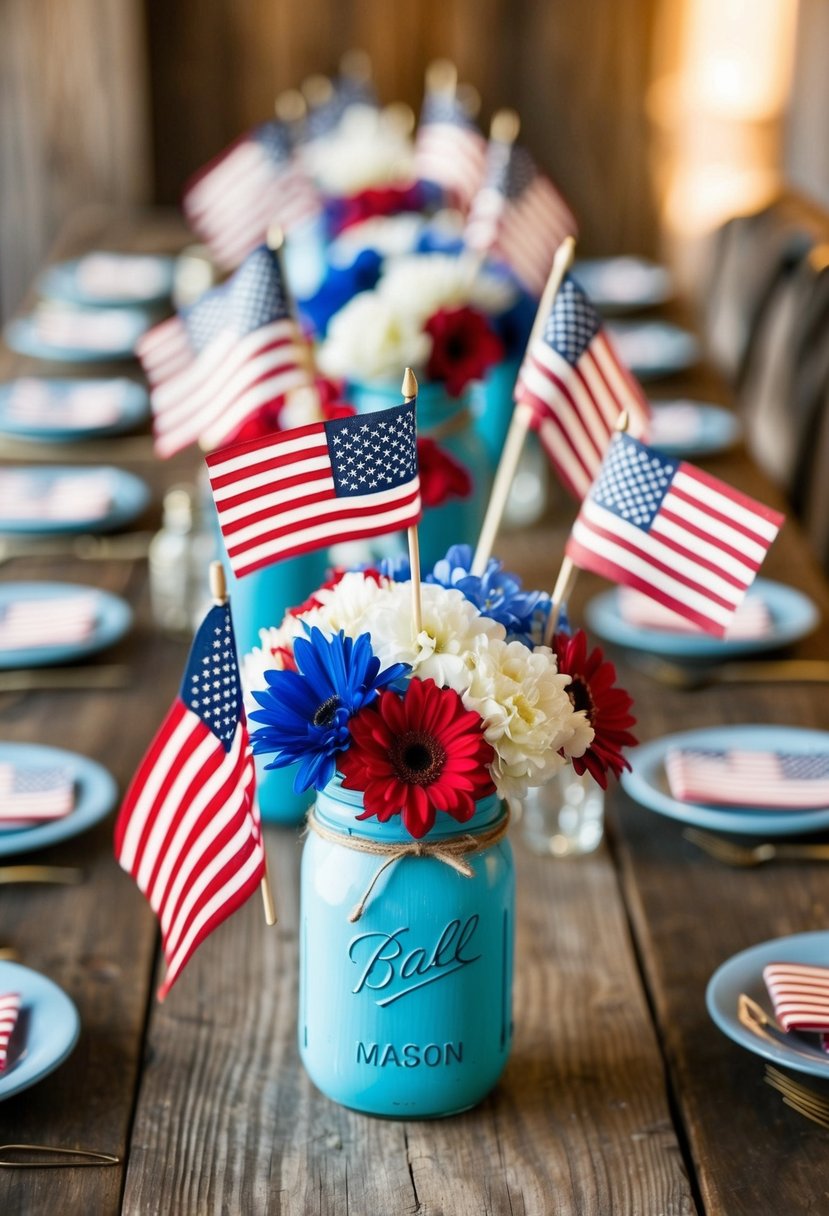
(326, 712)
(456, 346)
(579, 693)
(418, 759)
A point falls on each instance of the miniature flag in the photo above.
(10, 1003)
(70, 497)
(317, 485)
(213, 366)
(188, 831)
(61, 406)
(751, 621)
(769, 780)
(666, 528)
(254, 183)
(576, 387)
(41, 624)
(518, 216)
(450, 149)
(800, 995)
(34, 795)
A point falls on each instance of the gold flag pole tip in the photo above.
(218, 583)
(505, 126)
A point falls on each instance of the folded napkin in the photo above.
(766, 780)
(34, 795)
(9, 1012)
(751, 620)
(84, 329)
(122, 276)
(61, 498)
(800, 996)
(55, 622)
(678, 422)
(35, 402)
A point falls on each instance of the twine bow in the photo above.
(451, 853)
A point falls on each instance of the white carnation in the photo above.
(344, 606)
(368, 148)
(426, 282)
(390, 235)
(266, 657)
(370, 340)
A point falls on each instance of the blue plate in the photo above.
(50, 1025)
(113, 619)
(744, 973)
(623, 284)
(63, 282)
(647, 783)
(130, 496)
(653, 348)
(134, 407)
(22, 335)
(714, 429)
(793, 615)
(95, 796)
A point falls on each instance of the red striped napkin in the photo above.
(34, 795)
(9, 1013)
(800, 997)
(751, 620)
(36, 403)
(61, 498)
(766, 779)
(53, 622)
(91, 329)
(122, 276)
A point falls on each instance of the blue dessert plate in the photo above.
(744, 973)
(95, 796)
(793, 615)
(132, 404)
(623, 284)
(113, 617)
(647, 782)
(690, 429)
(24, 335)
(66, 281)
(46, 1032)
(654, 348)
(129, 497)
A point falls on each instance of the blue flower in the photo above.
(306, 712)
(496, 593)
(396, 568)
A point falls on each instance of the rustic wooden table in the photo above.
(620, 1095)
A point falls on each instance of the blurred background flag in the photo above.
(188, 831)
(668, 529)
(576, 387)
(518, 216)
(450, 149)
(245, 352)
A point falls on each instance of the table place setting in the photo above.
(42, 1027)
(68, 333)
(653, 349)
(624, 284)
(109, 280)
(48, 795)
(693, 429)
(43, 623)
(55, 410)
(44, 499)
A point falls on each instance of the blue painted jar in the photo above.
(493, 404)
(449, 421)
(406, 1012)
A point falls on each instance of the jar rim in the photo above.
(337, 808)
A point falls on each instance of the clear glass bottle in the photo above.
(169, 563)
(565, 817)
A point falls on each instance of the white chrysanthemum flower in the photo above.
(370, 340)
(426, 282)
(344, 606)
(266, 657)
(441, 650)
(391, 235)
(527, 713)
(368, 148)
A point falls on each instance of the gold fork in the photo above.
(805, 1101)
(754, 855)
(761, 671)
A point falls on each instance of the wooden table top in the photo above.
(620, 1095)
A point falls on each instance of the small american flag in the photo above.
(34, 795)
(26, 624)
(39, 403)
(317, 485)
(766, 779)
(88, 329)
(519, 216)
(449, 149)
(188, 831)
(576, 387)
(752, 619)
(10, 1003)
(255, 182)
(668, 529)
(213, 366)
(799, 995)
(60, 498)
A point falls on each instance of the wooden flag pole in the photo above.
(521, 418)
(410, 394)
(568, 573)
(218, 590)
(442, 77)
(276, 243)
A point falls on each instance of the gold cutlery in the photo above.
(69, 876)
(130, 547)
(54, 1158)
(759, 671)
(113, 675)
(754, 855)
(801, 1098)
(754, 1018)
(8, 954)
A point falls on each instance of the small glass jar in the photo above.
(565, 817)
(405, 1012)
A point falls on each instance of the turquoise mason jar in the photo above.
(406, 1012)
(450, 423)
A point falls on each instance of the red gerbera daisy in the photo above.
(591, 688)
(463, 347)
(418, 754)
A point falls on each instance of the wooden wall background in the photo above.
(118, 100)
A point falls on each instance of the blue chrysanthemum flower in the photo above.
(496, 593)
(305, 713)
(398, 568)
